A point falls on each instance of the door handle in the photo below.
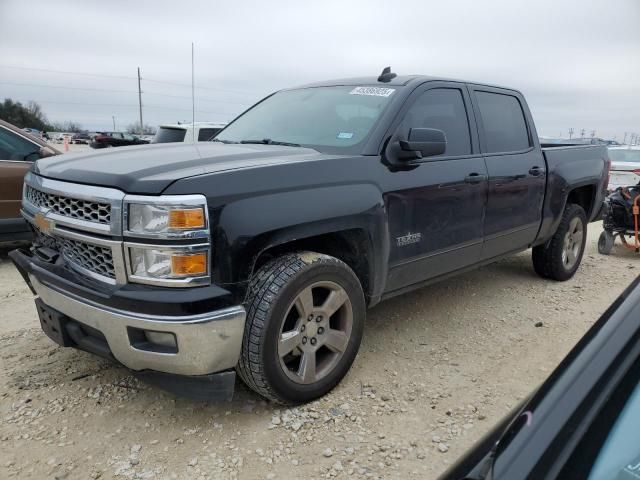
(536, 171)
(475, 178)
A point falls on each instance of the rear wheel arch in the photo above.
(584, 196)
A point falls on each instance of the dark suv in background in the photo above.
(81, 138)
(115, 139)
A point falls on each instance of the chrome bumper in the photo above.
(207, 343)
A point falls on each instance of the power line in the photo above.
(176, 84)
(124, 77)
(66, 88)
(162, 107)
(84, 74)
(88, 89)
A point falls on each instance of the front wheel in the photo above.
(305, 319)
(560, 257)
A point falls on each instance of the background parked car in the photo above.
(625, 166)
(184, 132)
(33, 131)
(115, 139)
(81, 138)
(18, 150)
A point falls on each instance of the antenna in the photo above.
(139, 103)
(193, 95)
(386, 75)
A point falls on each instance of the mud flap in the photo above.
(216, 387)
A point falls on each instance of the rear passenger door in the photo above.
(517, 175)
(436, 205)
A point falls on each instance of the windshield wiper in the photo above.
(268, 141)
(221, 141)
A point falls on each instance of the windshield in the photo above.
(624, 155)
(333, 117)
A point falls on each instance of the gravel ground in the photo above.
(437, 368)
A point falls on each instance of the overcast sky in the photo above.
(576, 61)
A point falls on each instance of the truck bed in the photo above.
(571, 166)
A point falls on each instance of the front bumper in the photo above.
(206, 342)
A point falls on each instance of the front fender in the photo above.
(247, 227)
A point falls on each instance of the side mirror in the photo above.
(33, 156)
(427, 141)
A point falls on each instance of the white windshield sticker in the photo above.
(373, 91)
(345, 135)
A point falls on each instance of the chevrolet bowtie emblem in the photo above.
(44, 224)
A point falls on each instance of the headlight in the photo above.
(165, 219)
(169, 217)
(168, 265)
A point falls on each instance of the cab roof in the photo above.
(398, 81)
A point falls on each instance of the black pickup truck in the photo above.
(259, 252)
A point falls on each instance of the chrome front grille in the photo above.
(69, 207)
(96, 259)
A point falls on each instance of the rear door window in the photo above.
(169, 135)
(505, 129)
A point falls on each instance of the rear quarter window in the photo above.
(505, 128)
(169, 135)
(207, 134)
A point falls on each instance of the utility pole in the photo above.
(140, 103)
(113, 117)
(193, 94)
(624, 141)
(570, 133)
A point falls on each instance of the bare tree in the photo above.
(134, 128)
(68, 126)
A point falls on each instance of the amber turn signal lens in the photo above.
(186, 218)
(192, 264)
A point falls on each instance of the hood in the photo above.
(149, 169)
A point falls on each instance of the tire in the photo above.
(549, 259)
(605, 243)
(279, 306)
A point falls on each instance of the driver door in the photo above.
(436, 204)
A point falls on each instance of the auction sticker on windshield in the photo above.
(372, 91)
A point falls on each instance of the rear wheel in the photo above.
(305, 319)
(560, 257)
(605, 242)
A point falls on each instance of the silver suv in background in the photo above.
(187, 132)
(625, 166)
